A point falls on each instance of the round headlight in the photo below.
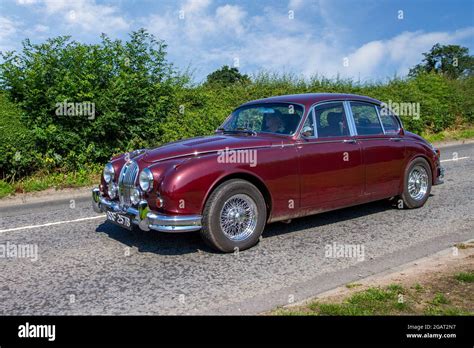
(135, 196)
(146, 180)
(112, 191)
(109, 173)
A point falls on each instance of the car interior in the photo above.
(331, 122)
(289, 121)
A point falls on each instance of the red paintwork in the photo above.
(297, 176)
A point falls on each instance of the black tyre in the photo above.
(417, 183)
(234, 216)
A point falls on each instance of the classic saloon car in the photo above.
(273, 159)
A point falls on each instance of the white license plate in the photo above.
(119, 219)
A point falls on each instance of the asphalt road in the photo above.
(92, 267)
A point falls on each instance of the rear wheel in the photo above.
(234, 216)
(417, 183)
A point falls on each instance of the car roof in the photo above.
(311, 98)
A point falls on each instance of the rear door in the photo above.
(383, 150)
(330, 159)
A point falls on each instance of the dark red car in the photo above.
(273, 159)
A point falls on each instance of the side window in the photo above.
(389, 121)
(308, 126)
(331, 120)
(366, 119)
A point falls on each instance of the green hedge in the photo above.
(17, 155)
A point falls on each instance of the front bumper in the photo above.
(147, 219)
(439, 179)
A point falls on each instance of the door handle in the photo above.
(395, 139)
(349, 141)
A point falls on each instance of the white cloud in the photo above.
(198, 22)
(86, 15)
(295, 4)
(26, 2)
(40, 28)
(230, 17)
(8, 29)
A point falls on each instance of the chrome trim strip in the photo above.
(380, 119)
(313, 114)
(350, 118)
(328, 141)
(197, 153)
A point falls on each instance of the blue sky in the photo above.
(370, 40)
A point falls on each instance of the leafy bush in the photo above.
(130, 84)
(17, 155)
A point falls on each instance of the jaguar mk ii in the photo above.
(273, 159)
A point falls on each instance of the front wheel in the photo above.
(417, 183)
(234, 216)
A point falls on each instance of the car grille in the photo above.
(126, 182)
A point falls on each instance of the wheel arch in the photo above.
(425, 157)
(256, 181)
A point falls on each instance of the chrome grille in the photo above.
(126, 183)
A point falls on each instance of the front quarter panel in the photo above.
(186, 187)
(415, 147)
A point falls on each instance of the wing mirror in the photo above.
(307, 131)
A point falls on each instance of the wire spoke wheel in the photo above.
(238, 217)
(418, 183)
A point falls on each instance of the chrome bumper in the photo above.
(147, 219)
(439, 180)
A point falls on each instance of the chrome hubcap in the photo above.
(238, 217)
(418, 183)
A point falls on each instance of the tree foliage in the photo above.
(226, 76)
(130, 83)
(453, 61)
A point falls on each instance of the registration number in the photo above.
(119, 219)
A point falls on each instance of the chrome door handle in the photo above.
(349, 141)
(395, 139)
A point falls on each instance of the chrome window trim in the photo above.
(351, 122)
(380, 119)
(315, 131)
(312, 111)
(376, 110)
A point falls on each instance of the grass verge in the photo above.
(447, 135)
(447, 294)
(43, 181)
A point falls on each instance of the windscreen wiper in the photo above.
(237, 131)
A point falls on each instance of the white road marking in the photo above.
(454, 159)
(51, 224)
